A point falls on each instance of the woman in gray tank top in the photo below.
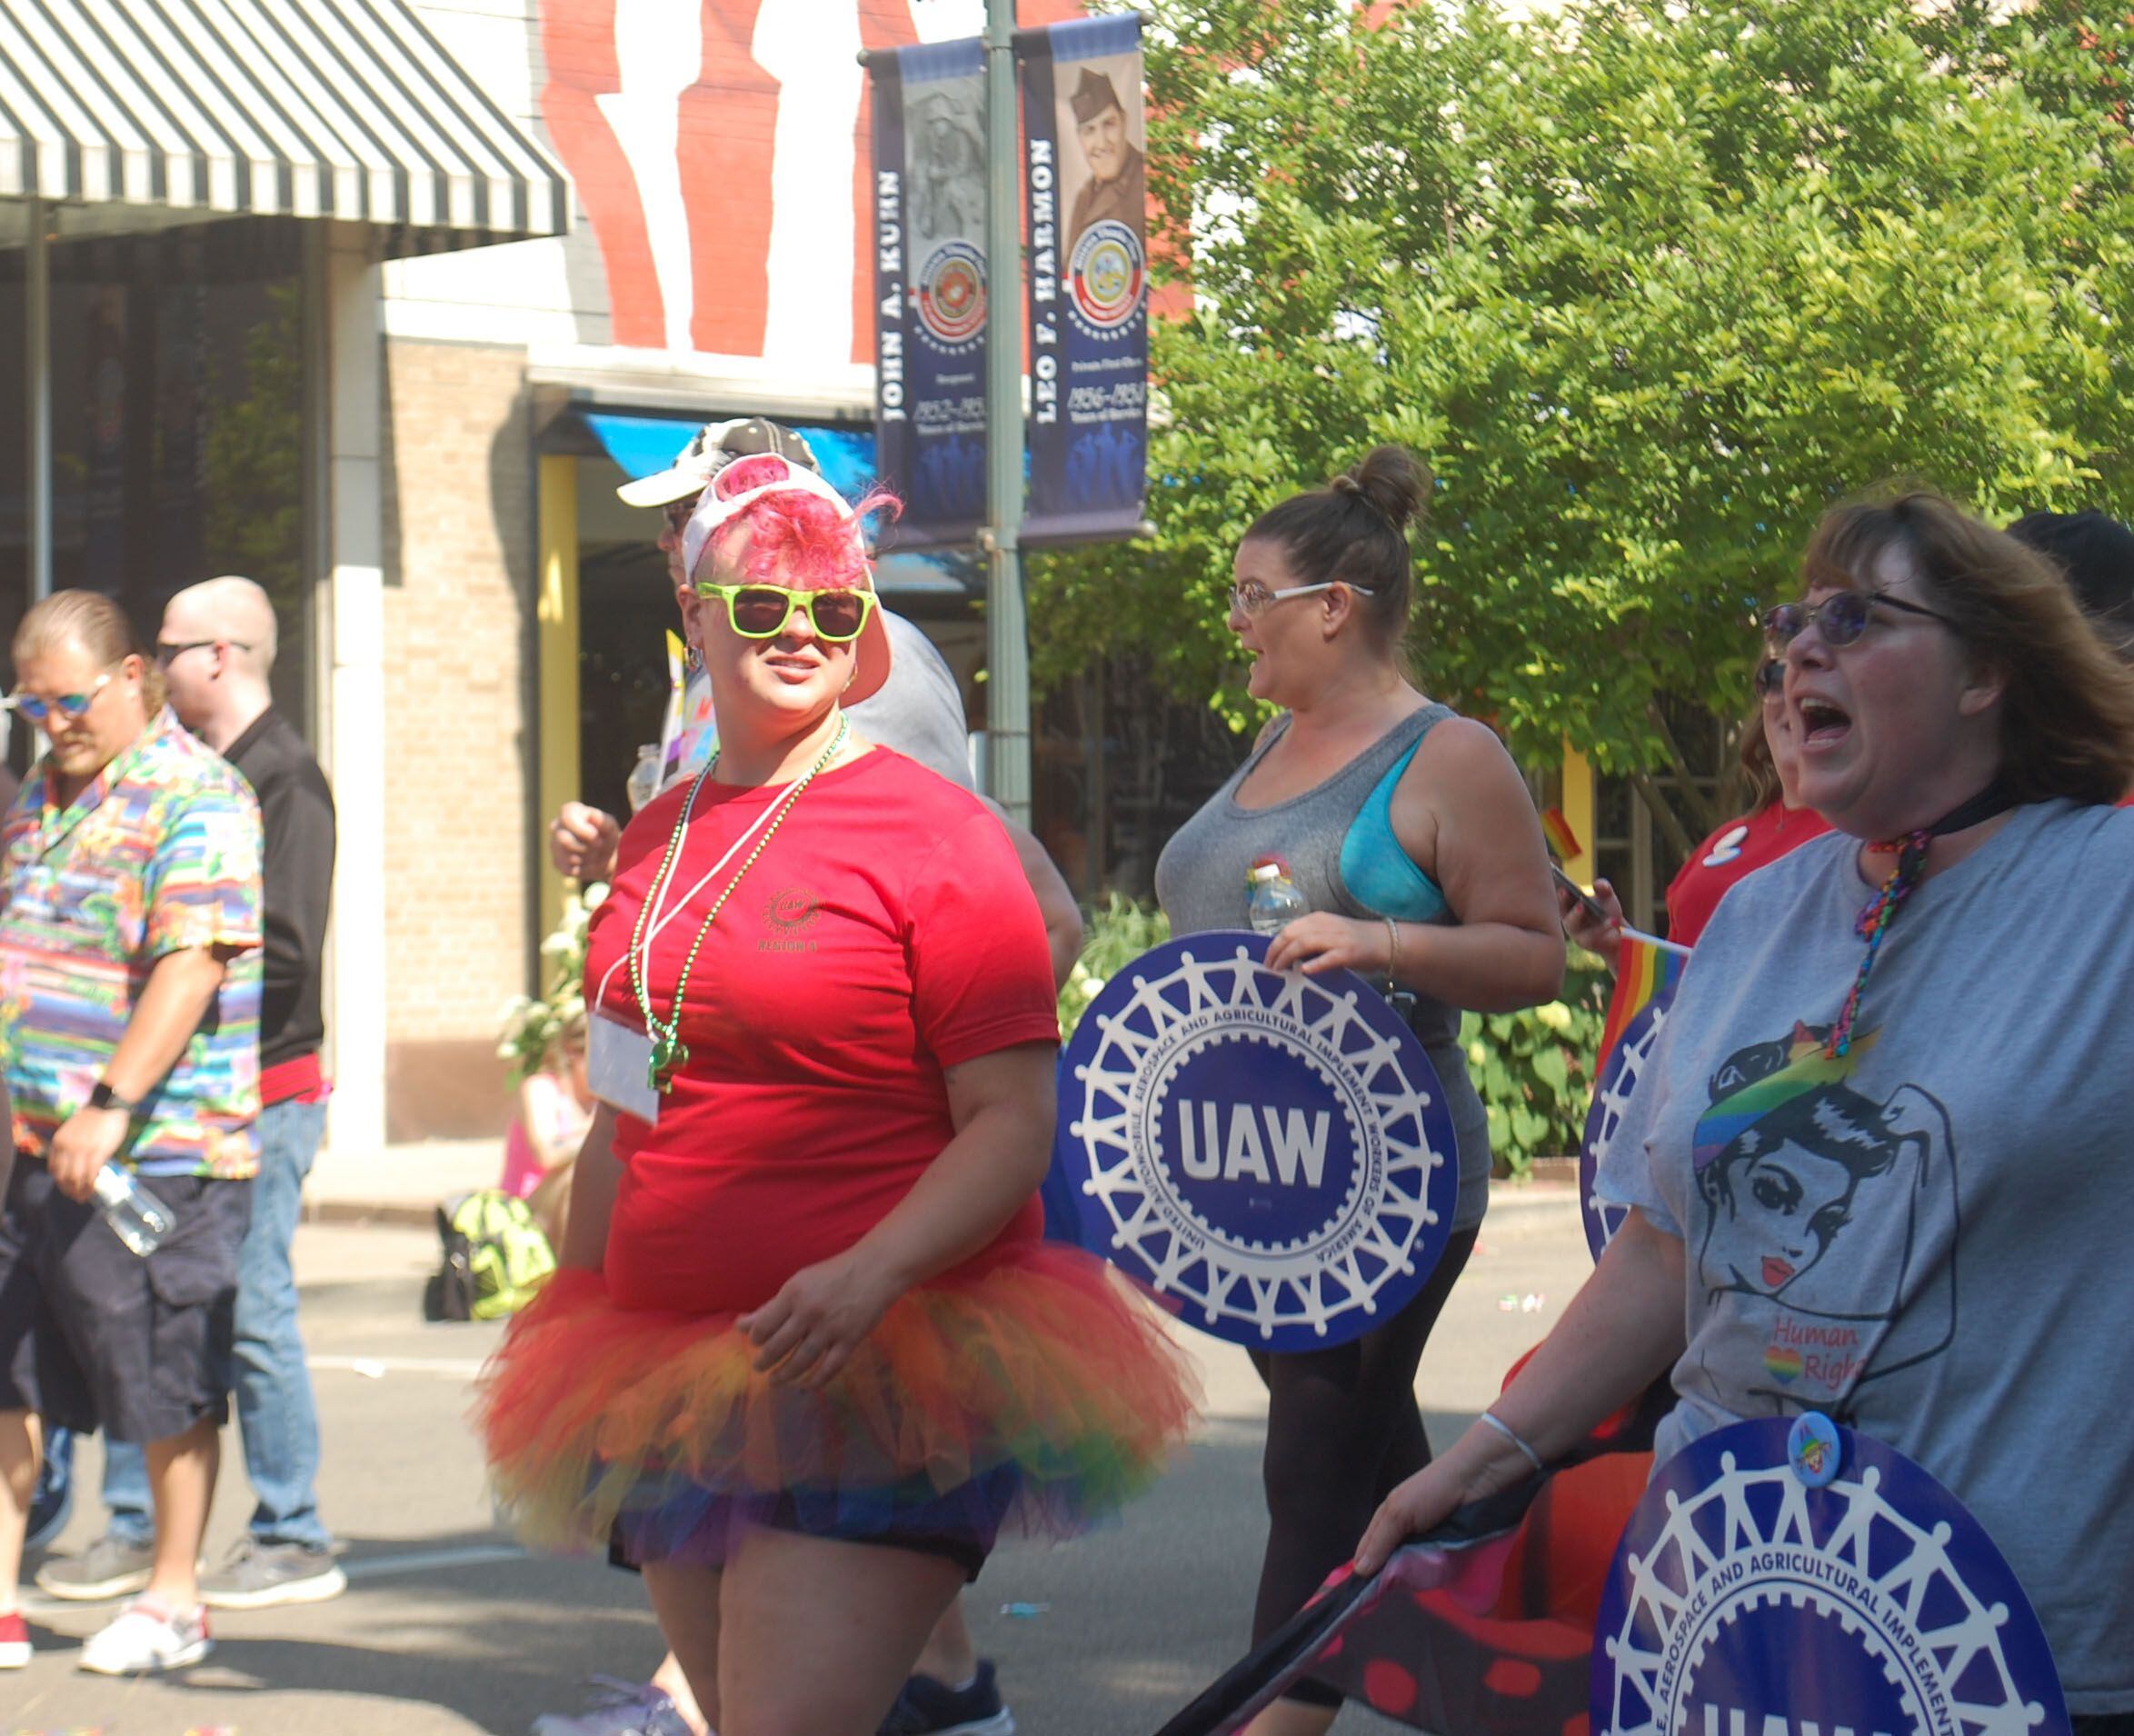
(1411, 837)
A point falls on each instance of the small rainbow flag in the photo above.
(1563, 843)
(1646, 971)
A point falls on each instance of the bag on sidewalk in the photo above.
(495, 1258)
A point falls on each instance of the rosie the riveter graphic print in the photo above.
(1790, 1157)
(1925, 1239)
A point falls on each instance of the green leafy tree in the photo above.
(1534, 1069)
(1649, 284)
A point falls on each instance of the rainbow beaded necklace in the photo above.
(1873, 922)
(668, 1051)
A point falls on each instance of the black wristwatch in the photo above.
(102, 1096)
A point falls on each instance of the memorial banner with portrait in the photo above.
(930, 289)
(1086, 185)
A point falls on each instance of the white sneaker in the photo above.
(144, 1639)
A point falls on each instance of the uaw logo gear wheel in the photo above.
(1878, 1604)
(1194, 1061)
(1611, 1094)
(1191, 1044)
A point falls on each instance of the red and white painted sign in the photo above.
(720, 149)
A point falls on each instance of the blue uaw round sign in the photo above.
(1745, 1601)
(1611, 1091)
(1270, 1150)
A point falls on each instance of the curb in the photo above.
(1533, 1196)
(393, 1213)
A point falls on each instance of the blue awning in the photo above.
(642, 446)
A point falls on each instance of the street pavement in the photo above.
(447, 1627)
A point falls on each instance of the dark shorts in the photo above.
(960, 1525)
(93, 1336)
(968, 1552)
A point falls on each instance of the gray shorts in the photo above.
(92, 1335)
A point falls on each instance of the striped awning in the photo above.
(303, 108)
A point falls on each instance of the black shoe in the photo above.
(931, 1708)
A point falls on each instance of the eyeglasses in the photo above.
(1251, 597)
(166, 654)
(1770, 678)
(762, 611)
(68, 704)
(1843, 617)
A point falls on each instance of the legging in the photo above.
(1342, 1429)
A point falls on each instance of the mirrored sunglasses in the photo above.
(68, 704)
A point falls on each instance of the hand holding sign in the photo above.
(1323, 942)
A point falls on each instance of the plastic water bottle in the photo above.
(137, 1216)
(1273, 902)
(645, 777)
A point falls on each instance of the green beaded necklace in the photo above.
(668, 1051)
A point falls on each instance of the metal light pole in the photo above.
(1007, 637)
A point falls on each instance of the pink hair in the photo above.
(799, 540)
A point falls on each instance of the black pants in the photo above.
(2104, 1723)
(1342, 1429)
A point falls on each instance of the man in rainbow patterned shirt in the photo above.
(129, 1037)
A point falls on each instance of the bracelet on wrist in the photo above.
(1392, 951)
(1512, 1434)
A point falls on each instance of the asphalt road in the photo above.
(447, 1627)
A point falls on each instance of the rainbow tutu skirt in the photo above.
(1029, 1395)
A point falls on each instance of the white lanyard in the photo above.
(662, 915)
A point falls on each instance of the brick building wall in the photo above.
(459, 561)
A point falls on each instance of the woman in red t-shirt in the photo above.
(1775, 823)
(807, 1354)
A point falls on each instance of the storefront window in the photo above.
(177, 425)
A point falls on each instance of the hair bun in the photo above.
(1392, 480)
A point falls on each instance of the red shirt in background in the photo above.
(1733, 852)
(885, 933)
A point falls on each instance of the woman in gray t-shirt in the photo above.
(1414, 843)
(1827, 1120)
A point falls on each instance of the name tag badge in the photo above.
(618, 1066)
